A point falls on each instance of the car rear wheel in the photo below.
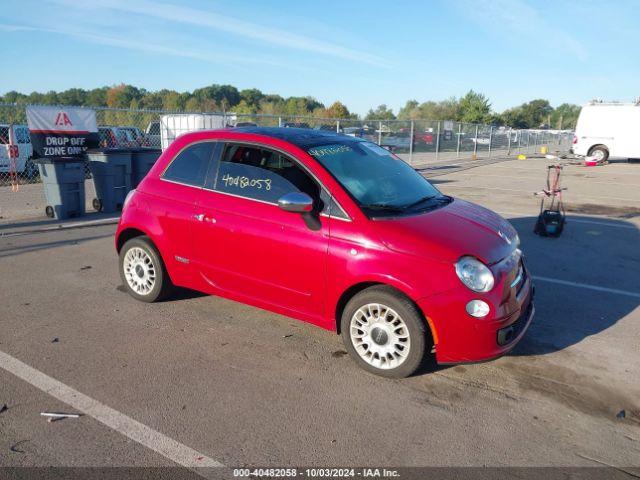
(143, 272)
(384, 332)
(600, 153)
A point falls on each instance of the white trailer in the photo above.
(174, 125)
(608, 130)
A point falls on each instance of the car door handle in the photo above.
(201, 217)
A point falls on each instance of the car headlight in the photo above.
(474, 274)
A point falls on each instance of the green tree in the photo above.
(251, 98)
(245, 108)
(565, 116)
(97, 97)
(120, 96)
(337, 110)
(474, 108)
(382, 112)
(430, 110)
(73, 96)
(171, 100)
(224, 96)
(532, 114)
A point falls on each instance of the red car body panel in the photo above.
(271, 259)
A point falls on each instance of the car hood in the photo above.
(457, 229)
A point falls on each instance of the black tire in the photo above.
(162, 287)
(600, 148)
(407, 310)
(97, 204)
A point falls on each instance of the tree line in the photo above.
(473, 107)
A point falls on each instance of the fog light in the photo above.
(478, 308)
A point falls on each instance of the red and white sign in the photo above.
(62, 131)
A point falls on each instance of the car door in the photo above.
(246, 245)
(170, 198)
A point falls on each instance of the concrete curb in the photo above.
(17, 230)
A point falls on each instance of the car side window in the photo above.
(331, 207)
(263, 174)
(4, 135)
(190, 165)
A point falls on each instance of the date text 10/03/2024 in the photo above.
(316, 473)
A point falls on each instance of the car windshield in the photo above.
(380, 182)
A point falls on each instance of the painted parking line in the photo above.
(587, 286)
(121, 423)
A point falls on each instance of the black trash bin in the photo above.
(111, 172)
(63, 181)
(142, 159)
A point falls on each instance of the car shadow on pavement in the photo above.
(182, 293)
(8, 249)
(591, 253)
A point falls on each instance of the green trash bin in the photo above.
(142, 159)
(111, 172)
(63, 181)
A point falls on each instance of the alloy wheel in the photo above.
(380, 336)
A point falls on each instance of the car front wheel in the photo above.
(384, 332)
(143, 272)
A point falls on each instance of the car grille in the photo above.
(507, 334)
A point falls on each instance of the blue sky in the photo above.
(362, 53)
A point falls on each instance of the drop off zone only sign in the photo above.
(62, 131)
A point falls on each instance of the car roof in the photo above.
(301, 137)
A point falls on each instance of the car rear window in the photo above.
(190, 166)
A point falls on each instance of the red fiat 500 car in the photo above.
(333, 230)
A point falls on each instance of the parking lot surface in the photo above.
(235, 385)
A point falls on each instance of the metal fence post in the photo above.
(337, 126)
(475, 145)
(458, 143)
(380, 133)
(438, 140)
(490, 138)
(509, 142)
(280, 121)
(519, 141)
(411, 144)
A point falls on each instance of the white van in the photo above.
(23, 163)
(608, 130)
(174, 125)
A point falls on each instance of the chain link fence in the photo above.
(419, 142)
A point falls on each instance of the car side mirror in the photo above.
(296, 202)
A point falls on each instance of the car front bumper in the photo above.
(461, 338)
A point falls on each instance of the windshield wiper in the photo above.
(418, 202)
(439, 198)
(383, 206)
